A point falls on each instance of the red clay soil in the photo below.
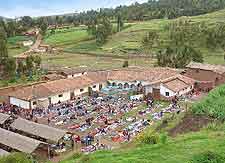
(190, 123)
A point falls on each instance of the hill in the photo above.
(128, 41)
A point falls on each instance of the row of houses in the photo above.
(53, 92)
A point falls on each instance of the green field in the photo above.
(66, 37)
(15, 46)
(93, 61)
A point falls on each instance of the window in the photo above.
(81, 90)
(35, 103)
(94, 86)
(167, 94)
(61, 95)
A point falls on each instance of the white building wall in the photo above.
(20, 103)
(77, 92)
(163, 91)
(65, 97)
(148, 89)
(96, 88)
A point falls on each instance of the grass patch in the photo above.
(181, 149)
(67, 37)
(213, 105)
(93, 61)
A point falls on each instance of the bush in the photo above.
(213, 105)
(125, 64)
(208, 157)
(149, 138)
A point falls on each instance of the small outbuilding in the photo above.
(35, 130)
(16, 142)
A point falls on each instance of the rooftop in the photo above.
(176, 85)
(40, 130)
(60, 86)
(18, 142)
(215, 68)
(3, 118)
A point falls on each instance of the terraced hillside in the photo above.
(129, 40)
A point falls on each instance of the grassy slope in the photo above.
(129, 40)
(96, 62)
(67, 37)
(15, 46)
(181, 149)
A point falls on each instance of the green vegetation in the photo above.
(184, 149)
(66, 37)
(15, 44)
(93, 61)
(130, 39)
(16, 158)
(213, 105)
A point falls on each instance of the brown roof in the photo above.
(18, 142)
(215, 68)
(176, 85)
(40, 130)
(60, 86)
(143, 74)
(3, 118)
(51, 88)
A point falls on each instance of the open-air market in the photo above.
(101, 116)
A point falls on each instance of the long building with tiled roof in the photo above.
(63, 90)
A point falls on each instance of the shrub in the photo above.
(149, 138)
(208, 157)
(125, 64)
(213, 105)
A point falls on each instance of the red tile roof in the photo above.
(59, 86)
(215, 68)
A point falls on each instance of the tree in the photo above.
(125, 64)
(43, 26)
(27, 21)
(3, 45)
(29, 64)
(149, 40)
(103, 30)
(37, 61)
(178, 57)
(21, 68)
(119, 22)
(9, 68)
(11, 29)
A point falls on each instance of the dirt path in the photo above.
(32, 48)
